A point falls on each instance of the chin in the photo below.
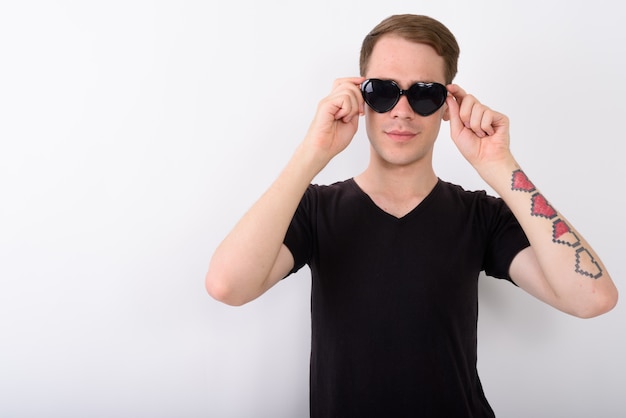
(398, 158)
(401, 155)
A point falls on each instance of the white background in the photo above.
(134, 135)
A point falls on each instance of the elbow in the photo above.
(219, 289)
(601, 305)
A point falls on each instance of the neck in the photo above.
(414, 179)
(397, 189)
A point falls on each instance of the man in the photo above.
(395, 252)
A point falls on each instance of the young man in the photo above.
(395, 252)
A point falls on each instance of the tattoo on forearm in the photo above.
(586, 264)
(562, 234)
(540, 207)
(521, 183)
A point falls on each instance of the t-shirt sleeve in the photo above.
(299, 236)
(507, 239)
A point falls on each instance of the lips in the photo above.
(400, 135)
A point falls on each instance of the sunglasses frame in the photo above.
(409, 93)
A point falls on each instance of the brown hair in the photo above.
(419, 29)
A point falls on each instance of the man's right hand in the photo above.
(336, 120)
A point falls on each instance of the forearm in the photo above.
(560, 268)
(241, 265)
(249, 260)
(574, 278)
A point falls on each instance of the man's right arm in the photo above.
(252, 257)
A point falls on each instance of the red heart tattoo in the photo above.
(520, 182)
(562, 234)
(541, 207)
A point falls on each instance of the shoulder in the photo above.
(449, 190)
(342, 186)
(475, 203)
(328, 192)
(336, 200)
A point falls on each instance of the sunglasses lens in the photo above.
(426, 98)
(380, 95)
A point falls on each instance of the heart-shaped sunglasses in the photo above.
(383, 95)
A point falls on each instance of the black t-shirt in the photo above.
(394, 302)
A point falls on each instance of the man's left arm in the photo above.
(560, 267)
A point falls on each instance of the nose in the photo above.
(403, 109)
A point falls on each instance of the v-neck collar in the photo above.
(410, 213)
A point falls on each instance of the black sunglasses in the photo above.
(383, 95)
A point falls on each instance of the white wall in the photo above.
(134, 135)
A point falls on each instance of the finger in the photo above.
(469, 113)
(344, 107)
(487, 122)
(352, 87)
(349, 80)
(467, 104)
(358, 95)
(481, 119)
(456, 91)
(458, 94)
(477, 118)
(353, 104)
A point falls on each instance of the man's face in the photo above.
(400, 136)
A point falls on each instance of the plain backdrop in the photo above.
(134, 134)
